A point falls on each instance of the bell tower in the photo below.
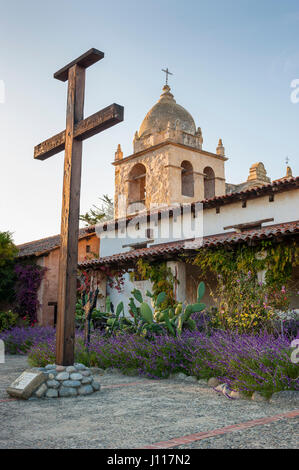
(168, 164)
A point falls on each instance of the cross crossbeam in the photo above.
(77, 129)
(92, 125)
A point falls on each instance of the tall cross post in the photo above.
(167, 73)
(70, 140)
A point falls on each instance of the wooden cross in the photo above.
(167, 73)
(70, 140)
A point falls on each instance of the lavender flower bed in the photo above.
(19, 340)
(246, 362)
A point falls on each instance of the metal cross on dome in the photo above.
(167, 73)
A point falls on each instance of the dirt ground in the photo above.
(135, 413)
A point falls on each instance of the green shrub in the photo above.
(8, 320)
(42, 354)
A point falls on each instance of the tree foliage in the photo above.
(8, 252)
(99, 214)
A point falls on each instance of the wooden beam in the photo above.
(50, 146)
(92, 125)
(248, 225)
(68, 260)
(99, 121)
(85, 60)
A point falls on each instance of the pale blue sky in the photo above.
(233, 63)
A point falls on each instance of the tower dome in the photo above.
(167, 113)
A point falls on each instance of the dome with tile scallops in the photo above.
(166, 112)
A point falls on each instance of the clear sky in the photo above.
(233, 63)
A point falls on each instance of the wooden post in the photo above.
(67, 285)
(77, 130)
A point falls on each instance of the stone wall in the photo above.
(163, 175)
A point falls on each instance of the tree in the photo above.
(99, 214)
(8, 252)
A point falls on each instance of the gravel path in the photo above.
(132, 412)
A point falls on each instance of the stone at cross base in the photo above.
(54, 381)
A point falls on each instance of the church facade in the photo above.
(172, 199)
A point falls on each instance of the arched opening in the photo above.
(187, 178)
(137, 184)
(209, 182)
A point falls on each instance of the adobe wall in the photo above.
(48, 291)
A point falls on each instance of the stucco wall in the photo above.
(125, 294)
(284, 208)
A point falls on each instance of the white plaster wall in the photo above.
(125, 294)
(179, 270)
(284, 208)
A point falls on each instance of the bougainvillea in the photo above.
(29, 278)
(115, 278)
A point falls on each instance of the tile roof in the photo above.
(44, 245)
(180, 247)
(250, 193)
(255, 191)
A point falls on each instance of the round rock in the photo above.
(71, 369)
(86, 380)
(96, 386)
(80, 366)
(60, 368)
(97, 370)
(53, 383)
(220, 387)
(63, 376)
(68, 392)
(71, 383)
(213, 382)
(52, 393)
(50, 367)
(52, 375)
(85, 390)
(179, 376)
(237, 395)
(86, 373)
(191, 379)
(40, 392)
(258, 397)
(76, 376)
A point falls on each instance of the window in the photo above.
(149, 233)
(87, 248)
(137, 184)
(187, 178)
(209, 183)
